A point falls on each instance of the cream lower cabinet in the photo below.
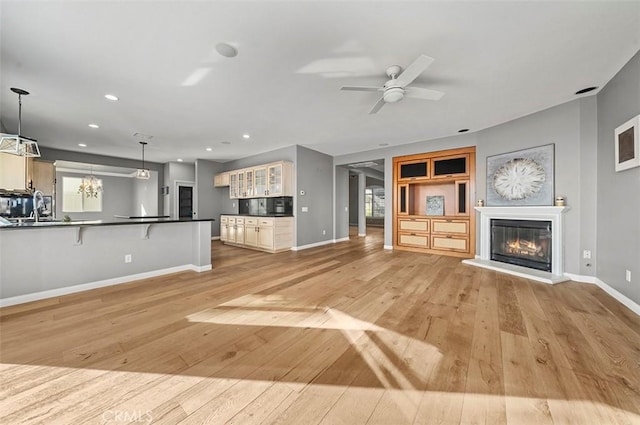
(272, 234)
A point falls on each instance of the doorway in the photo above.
(185, 201)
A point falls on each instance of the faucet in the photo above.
(36, 207)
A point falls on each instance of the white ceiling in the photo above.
(495, 61)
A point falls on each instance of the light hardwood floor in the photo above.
(342, 334)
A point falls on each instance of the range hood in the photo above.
(17, 144)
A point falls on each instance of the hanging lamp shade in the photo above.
(143, 173)
(17, 144)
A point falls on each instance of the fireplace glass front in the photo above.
(524, 243)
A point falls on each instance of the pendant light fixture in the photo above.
(17, 144)
(90, 186)
(143, 173)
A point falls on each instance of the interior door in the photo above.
(185, 202)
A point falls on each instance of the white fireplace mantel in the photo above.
(552, 214)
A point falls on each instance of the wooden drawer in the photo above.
(224, 219)
(413, 239)
(450, 226)
(251, 220)
(450, 243)
(231, 220)
(413, 225)
(239, 220)
(265, 222)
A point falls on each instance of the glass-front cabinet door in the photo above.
(249, 183)
(241, 186)
(275, 180)
(233, 185)
(260, 181)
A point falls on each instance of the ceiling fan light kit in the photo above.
(395, 89)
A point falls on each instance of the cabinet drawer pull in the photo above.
(449, 237)
(448, 221)
(413, 234)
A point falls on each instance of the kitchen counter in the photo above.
(50, 259)
(84, 223)
(261, 215)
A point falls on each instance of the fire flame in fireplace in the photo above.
(524, 248)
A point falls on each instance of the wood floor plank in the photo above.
(345, 333)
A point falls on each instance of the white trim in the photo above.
(345, 239)
(388, 247)
(5, 302)
(215, 238)
(362, 235)
(553, 214)
(628, 302)
(581, 278)
(312, 245)
(525, 272)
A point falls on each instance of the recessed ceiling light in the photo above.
(94, 126)
(82, 145)
(179, 159)
(111, 97)
(246, 136)
(586, 90)
(464, 130)
(226, 143)
(226, 50)
(208, 149)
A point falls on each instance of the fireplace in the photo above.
(524, 243)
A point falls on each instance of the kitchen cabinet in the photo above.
(13, 173)
(271, 234)
(446, 178)
(233, 185)
(268, 180)
(251, 230)
(221, 180)
(42, 177)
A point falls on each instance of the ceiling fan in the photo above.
(396, 88)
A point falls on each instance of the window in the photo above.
(72, 201)
(374, 202)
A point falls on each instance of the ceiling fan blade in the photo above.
(377, 106)
(416, 68)
(361, 88)
(422, 93)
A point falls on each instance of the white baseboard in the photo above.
(388, 247)
(626, 301)
(215, 238)
(20, 299)
(312, 245)
(362, 235)
(345, 239)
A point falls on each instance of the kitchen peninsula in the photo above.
(49, 259)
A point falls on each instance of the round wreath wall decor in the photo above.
(519, 178)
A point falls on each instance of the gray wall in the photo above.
(353, 199)
(174, 172)
(569, 126)
(342, 203)
(145, 195)
(559, 125)
(117, 198)
(208, 198)
(51, 154)
(314, 175)
(618, 200)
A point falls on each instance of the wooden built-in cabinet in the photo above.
(449, 174)
(274, 179)
(271, 234)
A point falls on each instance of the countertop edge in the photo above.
(93, 223)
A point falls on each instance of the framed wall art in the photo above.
(627, 144)
(522, 177)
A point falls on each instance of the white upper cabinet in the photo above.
(275, 179)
